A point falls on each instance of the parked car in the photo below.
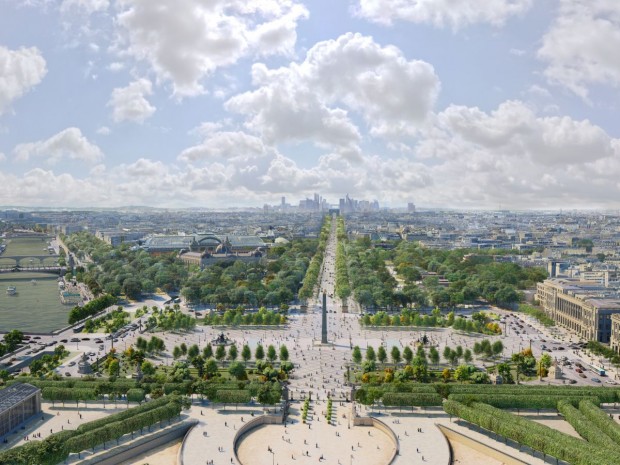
(582, 375)
(596, 380)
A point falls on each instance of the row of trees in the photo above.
(91, 308)
(170, 319)
(57, 447)
(535, 435)
(343, 286)
(110, 323)
(240, 316)
(480, 322)
(311, 278)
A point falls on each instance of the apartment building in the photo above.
(583, 307)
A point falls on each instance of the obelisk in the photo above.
(324, 320)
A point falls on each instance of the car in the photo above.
(92, 354)
(64, 341)
(611, 381)
(36, 337)
(582, 375)
(75, 339)
(543, 340)
(71, 364)
(98, 341)
(596, 380)
(67, 373)
(578, 370)
(561, 348)
(85, 339)
(572, 381)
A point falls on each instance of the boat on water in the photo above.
(11, 290)
(33, 282)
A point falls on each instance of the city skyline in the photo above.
(106, 104)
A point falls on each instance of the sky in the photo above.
(230, 103)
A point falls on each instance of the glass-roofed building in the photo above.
(18, 403)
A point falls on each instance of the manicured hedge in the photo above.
(532, 434)
(409, 399)
(125, 414)
(49, 451)
(606, 395)
(233, 396)
(516, 401)
(117, 429)
(55, 394)
(56, 448)
(136, 395)
(586, 429)
(600, 419)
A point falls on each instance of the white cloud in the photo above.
(67, 144)
(581, 47)
(21, 70)
(224, 144)
(85, 6)
(2, 156)
(129, 103)
(442, 13)
(517, 52)
(116, 66)
(185, 41)
(311, 100)
(514, 130)
(517, 158)
(104, 131)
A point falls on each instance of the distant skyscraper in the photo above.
(283, 201)
(411, 207)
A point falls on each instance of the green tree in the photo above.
(371, 356)
(283, 353)
(356, 355)
(467, 357)
(193, 351)
(271, 353)
(408, 355)
(237, 370)
(395, 354)
(177, 352)
(462, 373)
(114, 368)
(259, 353)
(434, 356)
(148, 369)
(246, 353)
(381, 354)
(497, 348)
(220, 353)
(210, 368)
(233, 353)
(207, 351)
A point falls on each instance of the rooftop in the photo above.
(14, 394)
